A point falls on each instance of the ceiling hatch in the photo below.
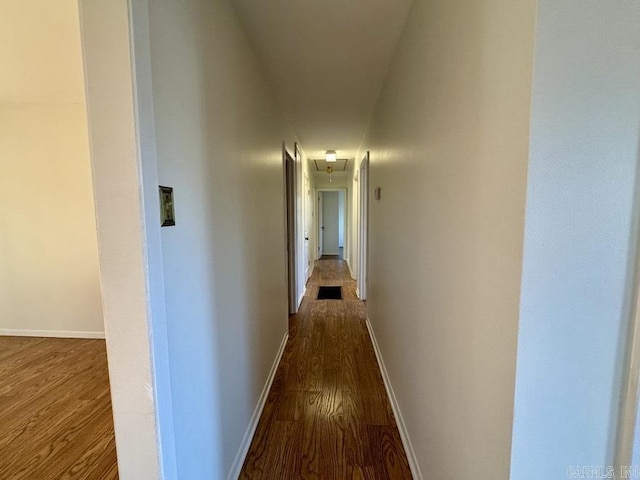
(340, 165)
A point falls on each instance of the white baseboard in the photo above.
(304, 292)
(350, 269)
(404, 434)
(236, 467)
(8, 332)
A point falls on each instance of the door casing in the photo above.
(363, 228)
(289, 173)
(318, 218)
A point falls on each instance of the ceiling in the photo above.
(328, 60)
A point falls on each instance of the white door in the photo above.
(330, 222)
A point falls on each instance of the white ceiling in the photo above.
(328, 59)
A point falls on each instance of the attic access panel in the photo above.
(340, 165)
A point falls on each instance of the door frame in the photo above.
(629, 400)
(307, 196)
(363, 227)
(345, 219)
(629, 394)
(305, 221)
(289, 180)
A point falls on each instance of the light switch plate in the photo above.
(167, 214)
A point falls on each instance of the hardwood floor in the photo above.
(55, 410)
(327, 415)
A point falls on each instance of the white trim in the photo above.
(404, 434)
(363, 226)
(8, 332)
(236, 467)
(629, 398)
(304, 292)
(626, 435)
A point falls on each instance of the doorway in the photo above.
(331, 222)
(290, 212)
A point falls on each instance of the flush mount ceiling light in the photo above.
(331, 156)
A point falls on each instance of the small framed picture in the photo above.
(167, 215)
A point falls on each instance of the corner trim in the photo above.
(8, 332)
(236, 467)
(404, 434)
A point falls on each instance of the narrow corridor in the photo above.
(327, 415)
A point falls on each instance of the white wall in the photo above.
(219, 136)
(585, 130)
(449, 149)
(49, 282)
(338, 180)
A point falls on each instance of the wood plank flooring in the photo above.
(327, 415)
(55, 410)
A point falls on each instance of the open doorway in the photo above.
(331, 222)
(56, 415)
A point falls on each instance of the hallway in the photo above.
(327, 415)
(488, 152)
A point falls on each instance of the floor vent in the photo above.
(330, 293)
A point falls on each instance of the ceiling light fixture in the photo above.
(330, 171)
(331, 156)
